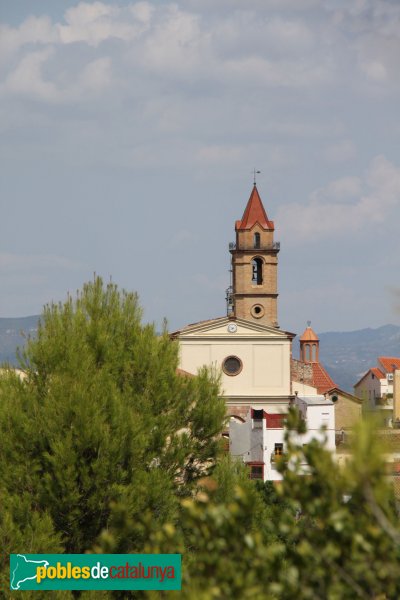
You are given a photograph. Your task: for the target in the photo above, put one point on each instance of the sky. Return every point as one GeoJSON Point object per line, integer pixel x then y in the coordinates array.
{"type": "Point", "coordinates": [130, 130]}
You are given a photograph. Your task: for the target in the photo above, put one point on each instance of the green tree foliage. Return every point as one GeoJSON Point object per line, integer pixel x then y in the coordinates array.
{"type": "Point", "coordinates": [102, 426]}
{"type": "Point", "coordinates": [104, 448]}
{"type": "Point", "coordinates": [332, 532]}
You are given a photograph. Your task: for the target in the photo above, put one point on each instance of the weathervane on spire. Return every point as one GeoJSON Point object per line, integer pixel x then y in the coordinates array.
{"type": "Point", "coordinates": [255, 172]}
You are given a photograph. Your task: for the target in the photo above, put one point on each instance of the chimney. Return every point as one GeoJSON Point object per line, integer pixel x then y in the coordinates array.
{"type": "Point", "coordinates": [396, 394]}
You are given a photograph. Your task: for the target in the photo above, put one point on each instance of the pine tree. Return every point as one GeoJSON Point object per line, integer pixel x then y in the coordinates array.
{"type": "Point", "coordinates": [101, 425]}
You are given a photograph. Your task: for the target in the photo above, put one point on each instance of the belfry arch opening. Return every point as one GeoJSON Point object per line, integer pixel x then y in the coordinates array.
{"type": "Point", "coordinates": [257, 271]}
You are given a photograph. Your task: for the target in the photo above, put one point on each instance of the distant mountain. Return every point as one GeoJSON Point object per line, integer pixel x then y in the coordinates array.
{"type": "Point", "coordinates": [13, 333]}
{"type": "Point", "coordinates": [348, 355]}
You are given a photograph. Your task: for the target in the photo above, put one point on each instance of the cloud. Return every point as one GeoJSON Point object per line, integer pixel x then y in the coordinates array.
{"type": "Point", "coordinates": [34, 30]}
{"type": "Point", "coordinates": [346, 205]}
{"type": "Point", "coordinates": [27, 77]}
{"type": "Point", "coordinates": [94, 23]}
{"type": "Point", "coordinates": [373, 31]}
{"type": "Point", "coordinates": [146, 42]}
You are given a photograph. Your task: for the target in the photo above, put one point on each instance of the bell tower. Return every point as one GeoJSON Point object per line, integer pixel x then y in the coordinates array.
{"type": "Point", "coordinates": [309, 345]}
{"type": "Point", "coordinates": [253, 294]}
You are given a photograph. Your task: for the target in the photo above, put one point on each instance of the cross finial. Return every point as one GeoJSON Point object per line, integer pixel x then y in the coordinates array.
{"type": "Point", "coordinates": [308, 323]}
{"type": "Point", "coordinates": [255, 172]}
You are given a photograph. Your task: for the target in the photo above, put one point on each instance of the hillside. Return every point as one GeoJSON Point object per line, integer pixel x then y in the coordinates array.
{"type": "Point", "coordinates": [346, 355]}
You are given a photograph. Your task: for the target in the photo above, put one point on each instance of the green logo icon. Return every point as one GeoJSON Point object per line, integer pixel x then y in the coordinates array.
{"type": "Point", "coordinates": [95, 572]}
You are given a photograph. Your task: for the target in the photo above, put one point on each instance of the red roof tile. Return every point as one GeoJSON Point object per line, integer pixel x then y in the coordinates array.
{"type": "Point", "coordinates": [377, 372]}
{"type": "Point", "coordinates": [309, 336]}
{"type": "Point", "coordinates": [321, 379]}
{"type": "Point", "coordinates": [254, 213]}
{"type": "Point", "coordinates": [389, 363]}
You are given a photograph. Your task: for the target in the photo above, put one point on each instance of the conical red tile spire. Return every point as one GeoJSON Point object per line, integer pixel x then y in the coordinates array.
{"type": "Point", "coordinates": [254, 213]}
{"type": "Point", "coordinates": [309, 335]}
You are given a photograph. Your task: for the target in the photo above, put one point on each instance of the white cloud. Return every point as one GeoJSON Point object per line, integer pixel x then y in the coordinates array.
{"type": "Point", "coordinates": [157, 44]}
{"type": "Point", "coordinates": [375, 70]}
{"type": "Point", "coordinates": [346, 205]}
{"type": "Point", "coordinates": [34, 30]}
{"type": "Point", "coordinates": [96, 75]}
{"type": "Point", "coordinates": [342, 190]}
{"type": "Point", "coordinates": [373, 30]}
{"type": "Point", "coordinates": [95, 23]}
{"type": "Point", "coordinates": [27, 78]}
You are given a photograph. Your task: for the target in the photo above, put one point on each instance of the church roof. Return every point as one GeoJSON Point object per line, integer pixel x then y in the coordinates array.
{"type": "Point", "coordinates": [312, 374]}
{"type": "Point", "coordinates": [321, 379]}
{"type": "Point", "coordinates": [309, 336]}
{"type": "Point", "coordinates": [254, 213]}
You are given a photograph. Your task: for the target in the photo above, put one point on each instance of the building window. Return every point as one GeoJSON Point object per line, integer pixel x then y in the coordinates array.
{"type": "Point", "coordinates": [278, 450]}
{"type": "Point", "coordinates": [314, 353]}
{"type": "Point", "coordinates": [256, 240]}
{"type": "Point", "coordinates": [257, 311]}
{"type": "Point", "coordinates": [256, 471]}
{"type": "Point", "coordinates": [232, 365]}
{"type": "Point", "coordinates": [257, 277]}
{"type": "Point", "coordinates": [258, 416]}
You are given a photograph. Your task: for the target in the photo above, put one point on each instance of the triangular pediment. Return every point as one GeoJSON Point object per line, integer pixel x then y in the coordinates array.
{"type": "Point", "coordinates": [225, 327]}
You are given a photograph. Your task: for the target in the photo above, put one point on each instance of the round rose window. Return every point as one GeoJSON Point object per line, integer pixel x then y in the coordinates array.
{"type": "Point", "coordinates": [232, 365]}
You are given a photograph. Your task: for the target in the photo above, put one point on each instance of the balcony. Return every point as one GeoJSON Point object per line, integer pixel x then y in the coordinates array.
{"type": "Point", "coordinates": [273, 246]}
{"type": "Point", "coordinates": [385, 401]}
{"type": "Point", "coordinates": [276, 458]}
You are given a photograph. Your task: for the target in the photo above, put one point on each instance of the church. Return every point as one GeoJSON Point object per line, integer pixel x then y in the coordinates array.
{"type": "Point", "coordinates": [253, 353]}
{"type": "Point", "coordinates": [260, 379]}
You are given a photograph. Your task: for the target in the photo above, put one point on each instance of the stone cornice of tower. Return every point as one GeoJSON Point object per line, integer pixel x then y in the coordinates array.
{"type": "Point", "coordinates": [254, 213]}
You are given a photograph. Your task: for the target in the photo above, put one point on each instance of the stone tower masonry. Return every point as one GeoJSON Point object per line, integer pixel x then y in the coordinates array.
{"type": "Point", "coordinates": [254, 294]}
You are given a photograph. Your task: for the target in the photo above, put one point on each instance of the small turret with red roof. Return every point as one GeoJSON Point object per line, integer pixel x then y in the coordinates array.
{"type": "Point", "coordinates": [308, 370]}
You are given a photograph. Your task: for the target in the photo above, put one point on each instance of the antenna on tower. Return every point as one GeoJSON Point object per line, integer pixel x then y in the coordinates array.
{"type": "Point", "coordinates": [255, 173]}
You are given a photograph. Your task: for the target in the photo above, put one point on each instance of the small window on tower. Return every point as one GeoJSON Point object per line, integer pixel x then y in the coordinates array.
{"type": "Point", "coordinates": [257, 271]}
{"type": "Point", "coordinates": [257, 311]}
{"type": "Point", "coordinates": [256, 240]}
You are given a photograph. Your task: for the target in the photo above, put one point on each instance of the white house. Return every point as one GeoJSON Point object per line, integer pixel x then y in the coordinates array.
{"type": "Point", "coordinates": [260, 440]}
{"type": "Point", "coordinates": [375, 387]}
